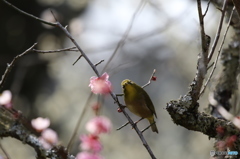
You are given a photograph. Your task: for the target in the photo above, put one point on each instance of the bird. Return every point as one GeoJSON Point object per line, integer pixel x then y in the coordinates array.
{"type": "Point", "coordinates": [138, 102]}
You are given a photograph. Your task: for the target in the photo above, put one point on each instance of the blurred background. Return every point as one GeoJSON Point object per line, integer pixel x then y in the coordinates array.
{"type": "Point", "coordinates": [164, 35]}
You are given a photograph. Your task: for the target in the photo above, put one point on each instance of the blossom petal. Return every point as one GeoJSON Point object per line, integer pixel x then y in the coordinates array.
{"type": "Point", "coordinates": [98, 125]}
{"type": "Point", "coordinates": [100, 85]}
{"type": "Point", "coordinates": [90, 143]}
{"type": "Point", "coordinates": [40, 123]}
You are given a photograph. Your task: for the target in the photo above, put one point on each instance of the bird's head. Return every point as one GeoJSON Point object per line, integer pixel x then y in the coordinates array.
{"type": "Point", "coordinates": [126, 82]}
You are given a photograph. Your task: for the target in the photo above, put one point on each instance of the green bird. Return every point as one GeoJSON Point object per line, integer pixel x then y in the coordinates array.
{"type": "Point", "coordinates": [138, 102]}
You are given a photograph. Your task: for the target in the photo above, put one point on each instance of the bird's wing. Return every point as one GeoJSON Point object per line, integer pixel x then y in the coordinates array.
{"type": "Point", "coordinates": [150, 104]}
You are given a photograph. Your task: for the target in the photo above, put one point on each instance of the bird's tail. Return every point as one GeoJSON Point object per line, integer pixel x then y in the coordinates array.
{"type": "Point", "coordinates": [153, 124]}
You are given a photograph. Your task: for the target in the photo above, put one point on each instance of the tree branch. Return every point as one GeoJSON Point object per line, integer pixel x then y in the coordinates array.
{"type": "Point", "coordinates": [237, 5]}
{"type": "Point", "coordinates": [11, 126]}
{"type": "Point", "coordinates": [10, 66]}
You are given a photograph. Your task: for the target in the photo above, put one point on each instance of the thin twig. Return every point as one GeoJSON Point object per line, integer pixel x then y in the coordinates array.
{"type": "Point", "coordinates": [59, 25]}
{"type": "Point", "coordinates": [204, 41]}
{"type": "Point", "coordinates": [125, 35]}
{"type": "Point", "coordinates": [123, 126]}
{"type": "Point", "coordinates": [148, 127]}
{"type": "Point", "coordinates": [237, 5]}
{"type": "Point", "coordinates": [202, 59]}
{"type": "Point", "coordinates": [29, 15]}
{"type": "Point", "coordinates": [210, 66]}
{"type": "Point", "coordinates": [211, 52]}
{"type": "Point", "coordinates": [79, 57]}
{"type": "Point", "coordinates": [79, 48]}
{"type": "Point", "coordinates": [219, 52]}
{"type": "Point", "coordinates": [135, 123]}
{"type": "Point", "coordinates": [55, 51]}
{"type": "Point", "coordinates": [150, 79]}
{"type": "Point", "coordinates": [10, 66]}
{"type": "Point", "coordinates": [205, 13]}
{"type": "Point", "coordinates": [98, 63]}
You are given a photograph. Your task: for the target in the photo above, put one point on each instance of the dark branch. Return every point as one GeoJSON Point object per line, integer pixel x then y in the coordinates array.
{"type": "Point", "coordinates": [10, 66]}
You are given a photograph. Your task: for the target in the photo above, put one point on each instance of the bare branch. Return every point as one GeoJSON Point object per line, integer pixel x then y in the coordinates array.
{"type": "Point", "coordinates": [205, 13]}
{"type": "Point", "coordinates": [59, 25]}
{"type": "Point", "coordinates": [148, 127]}
{"type": "Point", "coordinates": [150, 79]}
{"type": "Point", "coordinates": [13, 127]}
{"type": "Point", "coordinates": [55, 51]}
{"type": "Point", "coordinates": [203, 39]}
{"type": "Point", "coordinates": [237, 5]}
{"type": "Point", "coordinates": [79, 48]}
{"type": "Point", "coordinates": [10, 66]}
{"type": "Point", "coordinates": [98, 63]}
{"type": "Point", "coordinates": [219, 52]}
{"type": "Point", "coordinates": [197, 121]}
{"type": "Point", "coordinates": [79, 57]}
{"type": "Point", "coordinates": [211, 52]}
{"type": "Point", "coordinates": [29, 15]}
{"type": "Point", "coordinates": [123, 126]}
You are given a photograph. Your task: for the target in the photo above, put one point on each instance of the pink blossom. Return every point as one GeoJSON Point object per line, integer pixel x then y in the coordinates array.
{"type": "Point", "coordinates": [87, 155]}
{"type": "Point", "coordinates": [5, 99]}
{"type": "Point", "coordinates": [90, 142]}
{"type": "Point", "coordinates": [100, 85]}
{"type": "Point", "coordinates": [50, 136]}
{"type": "Point", "coordinates": [40, 123]}
{"type": "Point", "coordinates": [98, 125]}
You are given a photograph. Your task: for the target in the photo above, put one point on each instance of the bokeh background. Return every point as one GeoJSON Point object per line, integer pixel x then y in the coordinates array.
{"type": "Point", "coordinates": [164, 36]}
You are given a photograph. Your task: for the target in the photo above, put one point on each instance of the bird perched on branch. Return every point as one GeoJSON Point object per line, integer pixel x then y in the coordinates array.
{"type": "Point", "coordinates": [138, 102]}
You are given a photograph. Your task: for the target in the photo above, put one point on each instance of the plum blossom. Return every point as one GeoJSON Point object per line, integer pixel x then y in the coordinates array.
{"type": "Point", "coordinates": [98, 125]}
{"type": "Point", "coordinates": [40, 123]}
{"type": "Point", "coordinates": [87, 155]}
{"type": "Point", "coordinates": [90, 143]}
{"type": "Point", "coordinates": [6, 98]}
{"type": "Point", "coordinates": [100, 85]}
{"type": "Point", "coordinates": [50, 136]}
